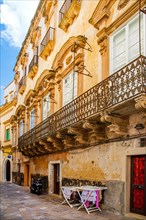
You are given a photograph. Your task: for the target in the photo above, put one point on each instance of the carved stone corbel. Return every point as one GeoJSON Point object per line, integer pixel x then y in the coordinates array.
{"type": "Point", "coordinates": [117, 127]}
{"type": "Point", "coordinates": [96, 131]}
{"type": "Point", "coordinates": [58, 71]}
{"type": "Point", "coordinates": [57, 144]}
{"type": "Point", "coordinates": [80, 134]}
{"type": "Point", "coordinates": [122, 4]}
{"type": "Point", "coordinates": [67, 140]}
{"type": "Point", "coordinates": [103, 43]}
{"type": "Point", "coordinates": [140, 102]}
{"type": "Point", "coordinates": [47, 146]}
{"type": "Point", "coordinates": [35, 37]}
{"type": "Point", "coordinates": [70, 14]}
{"type": "Point", "coordinates": [79, 43]}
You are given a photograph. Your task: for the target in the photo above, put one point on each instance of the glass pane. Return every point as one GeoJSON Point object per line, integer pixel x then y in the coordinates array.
{"type": "Point", "coordinates": [69, 88]}
{"type": "Point", "coordinates": [21, 128]}
{"type": "Point", "coordinates": [119, 50]}
{"type": "Point", "coordinates": [32, 119]}
{"type": "Point", "coordinates": [133, 39]}
{"type": "Point", "coordinates": [46, 106]}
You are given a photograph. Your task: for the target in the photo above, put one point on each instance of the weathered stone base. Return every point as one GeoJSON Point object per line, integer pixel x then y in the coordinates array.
{"type": "Point", "coordinates": [79, 182]}
{"type": "Point", "coordinates": [112, 198]}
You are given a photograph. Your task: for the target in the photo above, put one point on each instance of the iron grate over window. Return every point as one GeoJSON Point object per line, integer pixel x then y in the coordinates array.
{"type": "Point", "coordinates": [143, 142]}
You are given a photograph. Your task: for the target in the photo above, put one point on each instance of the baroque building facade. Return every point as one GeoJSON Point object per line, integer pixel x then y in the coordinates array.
{"type": "Point", "coordinates": [6, 110]}
{"type": "Point", "coordinates": [80, 116]}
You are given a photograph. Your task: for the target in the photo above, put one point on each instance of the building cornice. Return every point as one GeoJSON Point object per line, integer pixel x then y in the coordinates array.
{"type": "Point", "coordinates": [30, 32]}
{"type": "Point", "coordinates": [6, 106]}
{"type": "Point", "coordinates": [6, 122]}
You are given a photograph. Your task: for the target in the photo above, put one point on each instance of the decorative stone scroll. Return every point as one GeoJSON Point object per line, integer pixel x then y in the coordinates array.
{"type": "Point", "coordinates": [67, 139]}
{"type": "Point", "coordinates": [30, 97]}
{"type": "Point", "coordinates": [118, 125]}
{"type": "Point", "coordinates": [103, 43]}
{"type": "Point", "coordinates": [24, 59]}
{"type": "Point", "coordinates": [101, 13]}
{"type": "Point", "coordinates": [17, 76]}
{"type": "Point", "coordinates": [96, 132]}
{"type": "Point", "coordinates": [80, 134]}
{"type": "Point", "coordinates": [122, 4]}
{"type": "Point", "coordinates": [47, 9]}
{"type": "Point", "coordinates": [20, 112]}
{"type": "Point", "coordinates": [140, 102]}
{"type": "Point", "coordinates": [57, 144]}
{"type": "Point", "coordinates": [36, 37]}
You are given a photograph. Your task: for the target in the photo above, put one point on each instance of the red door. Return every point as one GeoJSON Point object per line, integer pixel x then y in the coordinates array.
{"type": "Point", "coordinates": [138, 184]}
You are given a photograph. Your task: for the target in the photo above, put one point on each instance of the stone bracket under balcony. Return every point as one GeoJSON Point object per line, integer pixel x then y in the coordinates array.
{"type": "Point", "coordinates": [117, 127]}
{"type": "Point", "coordinates": [22, 85]}
{"type": "Point", "coordinates": [33, 67]}
{"type": "Point", "coordinates": [47, 44]}
{"type": "Point", "coordinates": [47, 49]}
{"type": "Point", "coordinates": [33, 72]}
{"type": "Point", "coordinates": [96, 131]}
{"type": "Point", "coordinates": [69, 15]}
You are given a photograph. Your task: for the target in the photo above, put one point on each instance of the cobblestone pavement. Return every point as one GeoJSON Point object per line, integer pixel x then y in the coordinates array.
{"type": "Point", "coordinates": [17, 203]}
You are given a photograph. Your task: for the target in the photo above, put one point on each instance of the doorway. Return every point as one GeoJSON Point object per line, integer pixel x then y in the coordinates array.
{"type": "Point", "coordinates": [138, 185]}
{"type": "Point", "coordinates": [54, 177]}
{"type": "Point", "coordinates": [26, 175]}
{"type": "Point", "coordinates": [8, 170]}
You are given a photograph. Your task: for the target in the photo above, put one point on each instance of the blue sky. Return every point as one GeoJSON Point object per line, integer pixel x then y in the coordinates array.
{"type": "Point", "coordinates": [14, 23]}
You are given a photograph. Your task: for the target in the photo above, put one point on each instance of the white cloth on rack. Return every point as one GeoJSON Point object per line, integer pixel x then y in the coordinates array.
{"type": "Point", "coordinates": [91, 198]}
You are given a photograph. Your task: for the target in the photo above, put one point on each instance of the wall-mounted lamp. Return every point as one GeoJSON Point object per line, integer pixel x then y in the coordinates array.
{"type": "Point", "coordinates": [51, 101]}
{"type": "Point", "coordinates": [139, 126]}
{"type": "Point", "coordinates": [143, 10]}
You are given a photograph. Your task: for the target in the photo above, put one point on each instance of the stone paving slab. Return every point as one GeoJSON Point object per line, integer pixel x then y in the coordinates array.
{"type": "Point", "coordinates": [17, 203]}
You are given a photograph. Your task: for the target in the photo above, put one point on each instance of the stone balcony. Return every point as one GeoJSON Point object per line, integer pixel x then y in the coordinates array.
{"type": "Point", "coordinates": [85, 121]}
{"type": "Point", "coordinates": [33, 67]}
{"type": "Point", "coordinates": [47, 43]}
{"type": "Point", "coordinates": [22, 85]}
{"type": "Point", "coordinates": [68, 12]}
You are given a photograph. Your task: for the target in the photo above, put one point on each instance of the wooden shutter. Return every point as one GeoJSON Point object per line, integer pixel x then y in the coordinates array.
{"type": "Point", "coordinates": [21, 128]}
{"type": "Point", "coordinates": [133, 38]}
{"type": "Point", "coordinates": [119, 50]}
{"type": "Point", "coordinates": [69, 88]}
{"type": "Point", "coordinates": [46, 106]}
{"type": "Point", "coordinates": [7, 134]}
{"type": "Point", "coordinates": [32, 119]}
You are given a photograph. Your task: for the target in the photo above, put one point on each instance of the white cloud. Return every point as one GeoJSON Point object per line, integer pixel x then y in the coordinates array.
{"type": "Point", "coordinates": [16, 15]}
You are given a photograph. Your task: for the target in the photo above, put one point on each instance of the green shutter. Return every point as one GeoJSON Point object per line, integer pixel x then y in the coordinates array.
{"type": "Point", "coordinates": [8, 134]}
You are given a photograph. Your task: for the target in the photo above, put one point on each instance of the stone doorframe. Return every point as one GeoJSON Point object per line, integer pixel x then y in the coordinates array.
{"type": "Point", "coordinates": [51, 177]}
{"type": "Point", "coordinates": [137, 151]}
{"type": "Point", "coordinates": [4, 169]}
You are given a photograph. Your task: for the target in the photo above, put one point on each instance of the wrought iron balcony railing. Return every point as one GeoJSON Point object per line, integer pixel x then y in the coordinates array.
{"type": "Point", "coordinates": [125, 84]}
{"type": "Point", "coordinates": [65, 8]}
{"type": "Point", "coordinates": [34, 62]}
{"type": "Point", "coordinates": [50, 35]}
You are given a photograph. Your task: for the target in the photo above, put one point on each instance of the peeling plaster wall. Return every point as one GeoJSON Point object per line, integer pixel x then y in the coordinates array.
{"type": "Point", "coordinates": [103, 163]}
